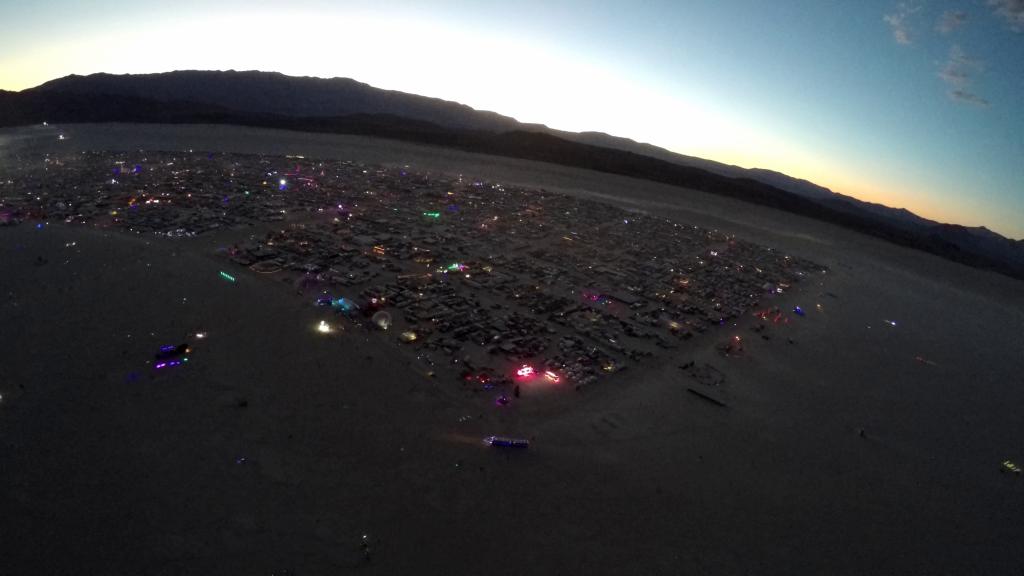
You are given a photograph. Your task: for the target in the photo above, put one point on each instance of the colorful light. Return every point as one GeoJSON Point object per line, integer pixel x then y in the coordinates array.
{"type": "Point", "coordinates": [552, 377]}
{"type": "Point", "coordinates": [227, 276]}
{"type": "Point", "coordinates": [171, 363]}
{"type": "Point", "coordinates": [432, 214]}
{"type": "Point", "coordinates": [344, 304]}
{"type": "Point", "coordinates": [525, 371]}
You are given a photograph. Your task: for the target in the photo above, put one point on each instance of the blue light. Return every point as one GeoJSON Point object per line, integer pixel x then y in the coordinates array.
{"type": "Point", "coordinates": [344, 304]}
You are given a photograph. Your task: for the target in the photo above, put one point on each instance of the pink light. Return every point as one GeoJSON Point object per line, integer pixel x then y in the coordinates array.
{"type": "Point", "coordinates": [552, 376]}
{"type": "Point", "coordinates": [525, 372]}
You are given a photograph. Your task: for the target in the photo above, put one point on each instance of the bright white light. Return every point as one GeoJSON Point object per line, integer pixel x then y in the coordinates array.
{"type": "Point", "coordinates": [283, 182]}
{"type": "Point", "coordinates": [323, 327]}
{"type": "Point", "coordinates": [200, 335]}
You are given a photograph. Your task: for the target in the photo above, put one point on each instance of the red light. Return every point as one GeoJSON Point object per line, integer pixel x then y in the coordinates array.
{"type": "Point", "coordinates": [552, 377]}
{"type": "Point", "coordinates": [526, 371]}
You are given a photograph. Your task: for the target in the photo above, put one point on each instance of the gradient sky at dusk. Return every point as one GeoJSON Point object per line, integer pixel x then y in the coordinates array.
{"type": "Point", "coordinates": [912, 104]}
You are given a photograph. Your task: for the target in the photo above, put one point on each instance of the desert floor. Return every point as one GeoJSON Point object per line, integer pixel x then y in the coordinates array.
{"type": "Point", "coordinates": [857, 448]}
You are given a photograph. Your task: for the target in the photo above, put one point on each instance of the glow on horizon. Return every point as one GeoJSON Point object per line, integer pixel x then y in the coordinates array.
{"type": "Point", "coordinates": [517, 76]}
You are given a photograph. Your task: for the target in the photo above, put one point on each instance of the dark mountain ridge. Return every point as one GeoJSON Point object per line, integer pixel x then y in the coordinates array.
{"type": "Point", "coordinates": [345, 106]}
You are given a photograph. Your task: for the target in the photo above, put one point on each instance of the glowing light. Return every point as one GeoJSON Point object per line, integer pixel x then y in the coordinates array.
{"type": "Point", "coordinates": [324, 328]}
{"type": "Point", "coordinates": [525, 371]}
{"type": "Point", "coordinates": [171, 363]}
{"type": "Point", "coordinates": [409, 336]}
{"type": "Point", "coordinates": [506, 442]}
{"type": "Point", "coordinates": [200, 335]}
{"type": "Point", "coordinates": [382, 319]}
{"type": "Point", "coordinates": [432, 214]}
{"type": "Point", "coordinates": [552, 377]}
{"type": "Point", "coordinates": [227, 276]}
{"type": "Point", "coordinates": [344, 304]}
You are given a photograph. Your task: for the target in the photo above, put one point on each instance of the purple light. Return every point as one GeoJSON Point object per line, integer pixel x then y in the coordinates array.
{"type": "Point", "coordinates": [170, 363]}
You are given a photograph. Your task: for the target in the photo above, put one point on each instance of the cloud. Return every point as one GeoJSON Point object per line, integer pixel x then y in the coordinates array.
{"type": "Point", "coordinates": [897, 23]}
{"type": "Point", "coordinates": [969, 97]}
{"type": "Point", "coordinates": [958, 73]}
{"type": "Point", "coordinates": [950, 21]}
{"type": "Point", "coordinates": [1010, 10]}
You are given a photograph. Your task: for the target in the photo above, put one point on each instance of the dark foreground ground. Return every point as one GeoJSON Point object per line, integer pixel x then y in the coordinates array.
{"type": "Point", "coordinates": [276, 449]}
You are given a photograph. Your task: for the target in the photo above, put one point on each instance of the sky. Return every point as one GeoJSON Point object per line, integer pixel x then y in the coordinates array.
{"type": "Point", "coordinates": [915, 104]}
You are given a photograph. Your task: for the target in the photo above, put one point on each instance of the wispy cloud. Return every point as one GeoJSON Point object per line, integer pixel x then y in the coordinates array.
{"type": "Point", "coordinates": [897, 22]}
{"type": "Point", "coordinates": [968, 97]}
{"type": "Point", "coordinates": [950, 21]}
{"type": "Point", "coordinates": [958, 73]}
{"type": "Point", "coordinates": [1012, 11]}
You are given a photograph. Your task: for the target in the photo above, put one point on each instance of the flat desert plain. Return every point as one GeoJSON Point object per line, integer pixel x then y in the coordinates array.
{"type": "Point", "coordinates": [847, 445]}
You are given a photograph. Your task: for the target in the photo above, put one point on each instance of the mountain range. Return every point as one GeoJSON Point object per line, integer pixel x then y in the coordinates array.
{"type": "Point", "coordinates": [343, 105]}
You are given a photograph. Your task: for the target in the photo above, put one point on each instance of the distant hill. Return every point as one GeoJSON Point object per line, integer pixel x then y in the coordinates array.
{"type": "Point", "coordinates": [277, 94]}
{"type": "Point", "coordinates": [343, 105]}
{"type": "Point", "coordinates": [273, 93]}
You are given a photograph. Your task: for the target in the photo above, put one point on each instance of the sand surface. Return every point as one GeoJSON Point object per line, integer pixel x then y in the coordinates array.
{"type": "Point", "coordinates": [276, 449]}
